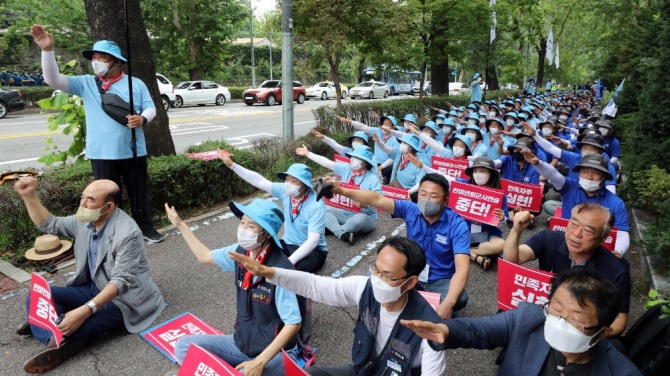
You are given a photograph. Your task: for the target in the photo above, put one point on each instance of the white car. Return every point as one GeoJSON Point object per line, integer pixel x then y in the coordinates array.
{"type": "Point", "coordinates": [167, 91]}
{"type": "Point", "coordinates": [369, 89]}
{"type": "Point", "coordinates": [325, 90]}
{"type": "Point", "coordinates": [457, 88]}
{"type": "Point", "coordinates": [200, 93]}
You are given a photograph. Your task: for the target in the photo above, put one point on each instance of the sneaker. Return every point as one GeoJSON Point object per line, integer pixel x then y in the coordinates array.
{"type": "Point", "coordinates": [24, 329]}
{"type": "Point", "coordinates": [349, 237]}
{"type": "Point", "coordinates": [153, 236]}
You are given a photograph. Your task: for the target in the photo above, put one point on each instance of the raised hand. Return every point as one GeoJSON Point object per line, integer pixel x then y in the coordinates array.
{"type": "Point", "coordinates": [302, 151]}
{"type": "Point", "coordinates": [43, 39]}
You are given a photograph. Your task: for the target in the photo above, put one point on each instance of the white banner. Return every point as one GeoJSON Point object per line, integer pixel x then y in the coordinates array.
{"type": "Point", "coordinates": [550, 47]}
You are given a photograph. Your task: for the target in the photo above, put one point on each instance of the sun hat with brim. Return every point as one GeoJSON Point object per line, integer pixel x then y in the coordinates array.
{"type": "Point", "coordinates": [264, 213]}
{"type": "Point", "coordinates": [104, 46]}
{"type": "Point", "coordinates": [521, 145]}
{"type": "Point", "coordinates": [512, 115]}
{"type": "Point", "coordinates": [474, 77]}
{"type": "Point", "coordinates": [496, 120]}
{"type": "Point", "coordinates": [364, 153]}
{"type": "Point", "coordinates": [412, 140]}
{"type": "Point", "coordinates": [359, 134]}
{"type": "Point", "coordinates": [409, 117]}
{"type": "Point", "coordinates": [521, 116]}
{"type": "Point", "coordinates": [391, 118]}
{"type": "Point", "coordinates": [548, 122]}
{"type": "Point", "coordinates": [485, 162]}
{"type": "Point", "coordinates": [449, 123]}
{"type": "Point", "coordinates": [593, 139]}
{"type": "Point", "coordinates": [453, 113]}
{"type": "Point", "coordinates": [430, 125]}
{"type": "Point", "coordinates": [463, 139]}
{"type": "Point", "coordinates": [47, 247]}
{"type": "Point", "coordinates": [597, 162]}
{"type": "Point", "coordinates": [460, 109]}
{"type": "Point", "coordinates": [472, 106]}
{"type": "Point", "coordinates": [439, 116]}
{"type": "Point", "coordinates": [603, 123]}
{"type": "Point", "coordinates": [474, 116]}
{"type": "Point", "coordinates": [299, 171]}
{"type": "Point", "coordinates": [473, 128]}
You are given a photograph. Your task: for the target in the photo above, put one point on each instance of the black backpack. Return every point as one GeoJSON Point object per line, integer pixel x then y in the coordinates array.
{"type": "Point", "coordinates": [647, 343]}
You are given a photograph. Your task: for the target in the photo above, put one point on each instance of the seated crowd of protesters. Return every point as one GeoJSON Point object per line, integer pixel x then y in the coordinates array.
{"type": "Point", "coordinates": [556, 141]}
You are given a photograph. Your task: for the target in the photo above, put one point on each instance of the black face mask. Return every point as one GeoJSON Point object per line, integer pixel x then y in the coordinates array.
{"type": "Point", "coordinates": [519, 157]}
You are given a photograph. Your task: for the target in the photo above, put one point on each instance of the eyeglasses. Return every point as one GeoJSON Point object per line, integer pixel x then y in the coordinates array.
{"type": "Point", "coordinates": [385, 276]}
{"type": "Point", "coordinates": [583, 328]}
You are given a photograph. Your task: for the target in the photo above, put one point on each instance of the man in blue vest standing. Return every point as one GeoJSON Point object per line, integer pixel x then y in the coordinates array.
{"type": "Point", "coordinates": [476, 89]}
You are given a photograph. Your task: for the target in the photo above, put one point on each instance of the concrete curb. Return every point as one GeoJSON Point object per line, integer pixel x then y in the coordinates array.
{"type": "Point", "coordinates": [657, 281]}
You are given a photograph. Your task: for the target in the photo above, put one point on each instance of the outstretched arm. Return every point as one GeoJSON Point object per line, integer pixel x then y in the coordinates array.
{"type": "Point", "coordinates": [199, 250]}
{"type": "Point", "coordinates": [251, 177]}
{"type": "Point", "coordinates": [363, 196]}
{"type": "Point", "coordinates": [52, 75]}
{"type": "Point", "coordinates": [323, 161]}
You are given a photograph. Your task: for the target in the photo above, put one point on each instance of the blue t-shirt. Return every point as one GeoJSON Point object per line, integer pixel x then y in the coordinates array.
{"type": "Point", "coordinates": [612, 146]}
{"type": "Point", "coordinates": [573, 194]}
{"type": "Point", "coordinates": [310, 218]}
{"type": "Point", "coordinates": [368, 181]}
{"type": "Point", "coordinates": [286, 301]}
{"type": "Point", "coordinates": [106, 138]}
{"type": "Point", "coordinates": [475, 92]}
{"type": "Point", "coordinates": [440, 241]}
{"type": "Point", "coordinates": [510, 170]}
{"type": "Point", "coordinates": [409, 175]}
{"type": "Point", "coordinates": [379, 155]}
{"type": "Point", "coordinates": [479, 150]}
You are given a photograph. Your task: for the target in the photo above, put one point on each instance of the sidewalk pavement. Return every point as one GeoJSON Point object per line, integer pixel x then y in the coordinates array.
{"type": "Point", "coordinates": [208, 293]}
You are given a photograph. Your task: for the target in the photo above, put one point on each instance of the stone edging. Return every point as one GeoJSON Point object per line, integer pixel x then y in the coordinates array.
{"type": "Point", "coordinates": [657, 281]}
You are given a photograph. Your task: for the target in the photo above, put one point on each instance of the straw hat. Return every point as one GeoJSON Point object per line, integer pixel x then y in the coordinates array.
{"type": "Point", "coordinates": [47, 247]}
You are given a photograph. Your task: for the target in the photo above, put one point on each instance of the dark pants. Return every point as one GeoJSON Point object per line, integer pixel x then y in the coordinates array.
{"type": "Point", "coordinates": [347, 370]}
{"type": "Point", "coordinates": [108, 318]}
{"type": "Point", "coordinates": [386, 174]}
{"type": "Point", "coordinates": [310, 263]}
{"type": "Point", "coordinates": [133, 174]}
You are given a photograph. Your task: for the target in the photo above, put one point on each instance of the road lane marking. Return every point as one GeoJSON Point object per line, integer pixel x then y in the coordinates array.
{"type": "Point", "coordinates": [19, 161]}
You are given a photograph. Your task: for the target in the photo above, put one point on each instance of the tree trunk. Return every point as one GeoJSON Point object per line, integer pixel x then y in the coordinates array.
{"type": "Point", "coordinates": [361, 69]}
{"type": "Point", "coordinates": [439, 67]}
{"type": "Point", "coordinates": [107, 21]}
{"type": "Point", "coordinates": [541, 53]}
{"type": "Point", "coordinates": [334, 72]}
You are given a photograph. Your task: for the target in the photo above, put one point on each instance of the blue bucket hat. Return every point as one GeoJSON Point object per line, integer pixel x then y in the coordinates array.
{"type": "Point", "coordinates": [474, 116]}
{"type": "Point", "coordinates": [472, 128]}
{"type": "Point", "coordinates": [439, 116]}
{"type": "Point", "coordinates": [104, 46]}
{"type": "Point", "coordinates": [364, 153]}
{"type": "Point", "coordinates": [409, 117]}
{"type": "Point", "coordinates": [472, 106]}
{"type": "Point", "coordinates": [460, 109]}
{"type": "Point", "coordinates": [463, 138]}
{"type": "Point", "coordinates": [265, 213]}
{"type": "Point", "coordinates": [450, 123]}
{"type": "Point", "coordinates": [521, 116]}
{"type": "Point", "coordinates": [453, 113]}
{"type": "Point", "coordinates": [411, 140]}
{"type": "Point", "coordinates": [359, 134]}
{"type": "Point", "coordinates": [391, 118]}
{"type": "Point", "coordinates": [527, 109]}
{"type": "Point", "coordinates": [497, 120]}
{"type": "Point", "coordinates": [430, 125]}
{"type": "Point", "coordinates": [511, 114]}
{"type": "Point", "coordinates": [474, 77]}
{"type": "Point", "coordinates": [299, 171]}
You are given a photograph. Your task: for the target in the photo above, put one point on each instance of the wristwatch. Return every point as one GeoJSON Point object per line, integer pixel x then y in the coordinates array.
{"type": "Point", "coordinates": [144, 121]}
{"type": "Point", "coordinates": [91, 304]}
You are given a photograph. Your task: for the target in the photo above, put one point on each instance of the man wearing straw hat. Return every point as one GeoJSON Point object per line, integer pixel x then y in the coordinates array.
{"type": "Point", "coordinates": [111, 289]}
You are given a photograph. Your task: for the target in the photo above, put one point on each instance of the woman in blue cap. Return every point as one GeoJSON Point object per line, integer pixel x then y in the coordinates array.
{"type": "Point", "coordinates": [345, 224]}
{"type": "Point", "coordinates": [406, 175]}
{"type": "Point", "coordinates": [268, 317]}
{"type": "Point", "coordinates": [304, 239]}
{"type": "Point", "coordinates": [472, 132]}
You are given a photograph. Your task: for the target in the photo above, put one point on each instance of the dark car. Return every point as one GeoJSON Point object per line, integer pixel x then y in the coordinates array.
{"type": "Point", "coordinates": [10, 100]}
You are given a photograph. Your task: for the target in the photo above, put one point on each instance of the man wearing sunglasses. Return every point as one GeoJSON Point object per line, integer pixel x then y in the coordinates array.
{"type": "Point", "coordinates": [565, 337]}
{"type": "Point", "coordinates": [381, 345]}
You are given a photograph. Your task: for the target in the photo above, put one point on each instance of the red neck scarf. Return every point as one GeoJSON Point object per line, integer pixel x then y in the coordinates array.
{"type": "Point", "coordinates": [386, 138]}
{"type": "Point", "coordinates": [246, 283]}
{"type": "Point", "coordinates": [355, 173]}
{"type": "Point", "coordinates": [403, 161]}
{"type": "Point", "coordinates": [106, 83]}
{"type": "Point", "coordinates": [297, 203]}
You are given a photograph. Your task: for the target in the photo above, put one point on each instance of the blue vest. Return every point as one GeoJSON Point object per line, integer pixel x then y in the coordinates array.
{"type": "Point", "coordinates": [258, 322]}
{"type": "Point", "coordinates": [403, 345]}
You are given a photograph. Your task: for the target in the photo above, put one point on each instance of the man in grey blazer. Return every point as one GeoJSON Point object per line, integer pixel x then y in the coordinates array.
{"type": "Point", "coordinates": [111, 290]}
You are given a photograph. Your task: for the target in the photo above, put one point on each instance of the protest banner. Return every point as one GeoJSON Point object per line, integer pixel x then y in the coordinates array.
{"type": "Point", "coordinates": [42, 310]}
{"type": "Point", "coordinates": [394, 193]}
{"type": "Point", "coordinates": [290, 368]}
{"type": "Point", "coordinates": [450, 166]}
{"type": "Point", "coordinates": [526, 196]}
{"type": "Point", "coordinates": [518, 283]}
{"type": "Point", "coordinates": [200, 362]}
{"type": "Point", "coordinates": [164, 336]}
{"type": "Point", "coordinates": [432, 298]}
{"type": "Point", "coordinates": [560, 224]}
{"type": "Point", "coordinates": [343, 202]}
{"type": "Point", "coordinates": [208, 155]}
{"type": "Point", "coordinates": [475, 203]}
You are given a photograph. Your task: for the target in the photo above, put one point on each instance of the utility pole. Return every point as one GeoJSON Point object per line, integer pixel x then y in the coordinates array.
{"type": "Point", "coordinates": [287, 67]}
{"type": "Point", "coordinates": [251, 32]}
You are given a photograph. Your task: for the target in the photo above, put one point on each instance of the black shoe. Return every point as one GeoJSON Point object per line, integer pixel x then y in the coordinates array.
{"type": "Point", "coordinates": [153, 236]}
{"type": "Point", "coordinates": [328, 232]}
{"type": "Point", "coordinates": [24, 329]}
{"type": "Point", "coordinates": [53, 357]}
{"type": "Point", "coordinates": [349, 237]}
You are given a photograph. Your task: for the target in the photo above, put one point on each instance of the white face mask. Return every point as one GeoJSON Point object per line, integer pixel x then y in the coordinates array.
{"type": "Point", "coordinates": [589, 185]}
{"type": "Point", "coordinates": [494, 131]}
{"type": "Point", "coordinates": [604, 131]}
{"type": "Point", "coordinates": [563, 117]}
{"type": "Point", "coordinates": [356, 164]}
{"type": "Point", "coordinates": [355, 144]}
{"type": "Point", "coordinates": [439, 121]}
{"type": "Point", "coordinates": [408, 124]}
{"type": "Point", "coordinates": [247, 239]}
{"type": "Point", "coordinates": [472, 121]}
{"type": "Point", "coordinates": [482, 119]}
{"type": "Point", "coordinates": [458, 151]}
{"type": "Point", "coordinates": [446, 130]}
{"type": "Point", "coordinates": [89, 215]}
{"type": "Point", "coordinates": [460, 114]}
{"type": "Point", "coordinates": [564, 337]}
{"type": "Point", "coordinates": [384, 293]}
{"type": "Point", "coordinates": [510, 122]}
{"type": "Point", "coordinates": [480, 178]}
{"type": "Point", "coordinates": [428, 133]}
{"type": "Point", "coordinates": [471, 135]}
{"type": "Point", "coordinates": [100, 68]}
{"type": "Point", "coordinates": [404, 148]}
{"type": "Point", "coordinates": [547, 131]}
{"type": "Point", "coordinates": [291, 190]}
{"type": "Point", "coordinates": [492, 114]}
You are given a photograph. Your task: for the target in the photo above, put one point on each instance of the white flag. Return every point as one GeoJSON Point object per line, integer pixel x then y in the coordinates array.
{"type": "Point", "coordinates": [550, 46]}
{"type": "Point", "coordinates": [492, 33]}
{"type": "Point", "coordinates": [557, 57]}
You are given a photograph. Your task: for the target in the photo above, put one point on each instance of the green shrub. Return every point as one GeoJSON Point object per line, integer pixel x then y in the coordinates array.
{"type": "Point", "coordinates": [652, 186]}
{"type": "Point", "coordinates": [32, 94]}
{"type": "Point", "coordinates": [236, 91]}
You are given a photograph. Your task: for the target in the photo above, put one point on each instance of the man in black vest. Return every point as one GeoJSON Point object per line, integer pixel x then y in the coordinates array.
{"type": "Point", "coordinates": [381, 344]}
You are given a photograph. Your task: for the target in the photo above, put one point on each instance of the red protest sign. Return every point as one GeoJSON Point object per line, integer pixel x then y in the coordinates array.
{"type": "Point", "coordinates": [518, 283]}
{"type": "Point", "coordinates": [208, 155]}
{"type": "Point", "coordinates": [290, 368]}
{"type": "Point", "coordinates": [560, 224]}
{"type": "Point", "coordinates": [42, 311]}
{"type": "Point", "coordinates": [394, 193]}
{"type": "Point", "coordinates": [200, 362]}
{"type": "Point", "coordinates": [559, 211]}
{"type": "Point", "coordinates": [450, 166]}
{"type": "Point", "coordinates": [343, 202]}
{"type": "Point", "coordinates": [475, 203]}
{"type": "Point", "coordinates": [432, 298]}
{"type": "Point", "coordinates": [526, 196]}
{"type": "Point", "coordinates": [164, 336]}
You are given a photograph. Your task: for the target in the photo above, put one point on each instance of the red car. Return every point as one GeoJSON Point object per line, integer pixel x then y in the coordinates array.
{"type": "Point", "coordinates": [270, 93]}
